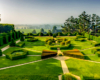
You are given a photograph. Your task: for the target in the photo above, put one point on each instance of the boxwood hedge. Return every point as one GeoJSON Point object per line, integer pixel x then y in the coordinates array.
{"type": "Point", "coordinates": [16, 56]}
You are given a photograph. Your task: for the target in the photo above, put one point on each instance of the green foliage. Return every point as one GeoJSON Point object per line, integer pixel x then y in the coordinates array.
{"type": "Point", "coordinates": [6, 28]}
{"type": "Point", "coordinates": [68, 76]}
{"type": "Point", "coordinates": [1, 40]}
{"type": "Point", "coordinates": [22, 37]}
{"type": "Point", "coordinates": [32, 39]}
{"type": "Point", "coordinates": [5, 38]}
{"type": "Point", "coordinates": [54, 35]}
{"type": "Point", "coordinates": [17, 54]}
{"type": "Point", "coordinates": [67, 42]}
{"type": "Point", "coordinates": [20, 44]}
{"type": "Point", "coordinates": [49, 42]}
{"type": "Point", "coordinates": [60, 54]}
{"type": "Point", "coordinates": [95, 44]}
{"type": "Point", "coordinates": [0, 52]}
{"type": "Point", "coordinates": [12, 43]}
{"type": "Point", "coordinates": [62, 43]}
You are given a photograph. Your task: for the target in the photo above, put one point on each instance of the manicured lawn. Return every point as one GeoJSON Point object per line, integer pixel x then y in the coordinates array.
{"type": "Point", "coordinates": [91, 56]}
{"type": "Point", "coordinates": [50, 67]}
{"type": "Point", "coordinates": [7, 62]}
{"type": "Point", "coordinates": [85, 68]}
{"type": "Point", "coordinates": [37, 45]}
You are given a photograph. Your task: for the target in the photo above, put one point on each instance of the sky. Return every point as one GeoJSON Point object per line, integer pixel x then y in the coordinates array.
{"type": "Point", "coordinates": [45, 11]}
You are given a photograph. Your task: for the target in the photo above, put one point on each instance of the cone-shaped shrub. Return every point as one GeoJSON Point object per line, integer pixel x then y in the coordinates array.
{"type": "Point", "coordinates": [12, 43]}
{"type": "Point", "coordinates": [22, 37]}
{"type": "Point", "coordinates": [0, 52]}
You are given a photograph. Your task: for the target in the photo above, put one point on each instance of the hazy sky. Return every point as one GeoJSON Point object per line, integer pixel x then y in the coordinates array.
{"type": "Point", "coordinates": [45, 11]}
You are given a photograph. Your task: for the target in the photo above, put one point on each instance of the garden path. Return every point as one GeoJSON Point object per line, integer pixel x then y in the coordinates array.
{"type": "Point", "coordinates": [63, 64]}
{"type": "Point", "coordinates": [5, 48]}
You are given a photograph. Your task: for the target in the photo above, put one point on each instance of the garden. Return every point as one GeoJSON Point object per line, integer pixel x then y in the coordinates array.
{"type": "Point", "coordinates": [73, 54]}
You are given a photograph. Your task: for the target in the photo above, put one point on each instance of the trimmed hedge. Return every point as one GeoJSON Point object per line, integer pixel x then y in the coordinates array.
{"type": "Point", "coordinates": [6, 28]}
{"type": "Point", "coordinates": [22, 37]}
{"type": "Point", "coordinates": [16, 56]}
{"type": "Point", "coordinates": [32, 39]}
{"type": "Point", "coordinates": [12, 43]}
{"type": "Point", "coordinates": [0, 52]}
{"type": "Point", "coordinates": [74, 53]}
{"type": "Point", "coordinates": [98, 53]}
{"type": "Point", "coordinates": [1, 40]}
{"type": "Point", "coordinates": [95, 44]}
{"type": "Point", "coordinates": [28, 36]}
{"type": "Point", "coordinates": [20, 44]}
{"type": "Point", "coordinates": [62, 43]}
{"type": "Point", "coordinates": [48, 53]}
{"type": "Point", "coordinates": [59, 46]}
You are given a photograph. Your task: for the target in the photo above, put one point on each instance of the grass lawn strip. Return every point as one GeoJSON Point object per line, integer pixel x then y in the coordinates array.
{"type": "Point", "coordinates": [50, 67]}
{"type": "Point", "coordinates": [85, 68]}
{"type": "Point", "coordinates": [6, 62]}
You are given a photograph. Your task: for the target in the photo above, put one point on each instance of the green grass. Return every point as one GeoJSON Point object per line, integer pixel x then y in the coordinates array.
{"type": "Point", "coordinates": [37, 45]}
{"type": "Point", "coordinates": [30, 30]}
{"type": "Point", "coordinates": [85, 68]}
{"type": "Point", "coordinates": [89, 53]}
{"type": "Point", "coordinates": [7, 62]}
{"type": "Point", "coordinates": [50, 67]}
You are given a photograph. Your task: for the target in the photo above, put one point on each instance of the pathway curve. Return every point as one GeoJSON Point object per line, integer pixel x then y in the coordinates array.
{"type": "Point", "coordinates": [63, 64]}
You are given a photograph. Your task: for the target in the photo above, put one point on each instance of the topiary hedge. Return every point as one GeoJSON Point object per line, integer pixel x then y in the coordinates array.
{"type": "Point", "coordinates": [95, 44]}
{"type": "Point", "coordinates": [12, 43]}
{"type": "Point", "coordinates": [1, 40]}
{"type": "Point", "coordinates": [0, 52]}
{"type": "Point", "coordinates": [32, 39]}
{"type": "Point", "coordinates": [17, 54]}
{"type": "Point", "coordinates": [74, 53]}
{"type": "Point", "coordinates": [22, 37]}
{"type": "Point", "coordinates": [20, 44]}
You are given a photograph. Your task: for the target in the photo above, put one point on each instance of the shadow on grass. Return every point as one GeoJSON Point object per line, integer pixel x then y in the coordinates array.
{"type": "Point", "coordinates": [90, 78]}
{"type": "Point", "coordinates": [72, 47]}
{"type": "Point", "coordinates": [85, 57]}
{"type": "Point", "coordinates": [73, 69]}
{"type": "Point", "coordinates": [36, 43]}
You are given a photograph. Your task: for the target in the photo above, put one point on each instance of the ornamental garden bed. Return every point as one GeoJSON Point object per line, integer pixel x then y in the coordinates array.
{"type": "Point", "coordinates": [63, 43]}
{"type": "Point", "coordinates": [32, 39]}
{"type": "Point", "coordinates": [74, 53]}
{"type": "Point", "coordinates": [96, 51]}
{"type": "Point", "coordinates": [17, 54]}
{"type": "Point", "coordinates": [48, 53]}
{"type": "Point", "coordinates": [20, 44]}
